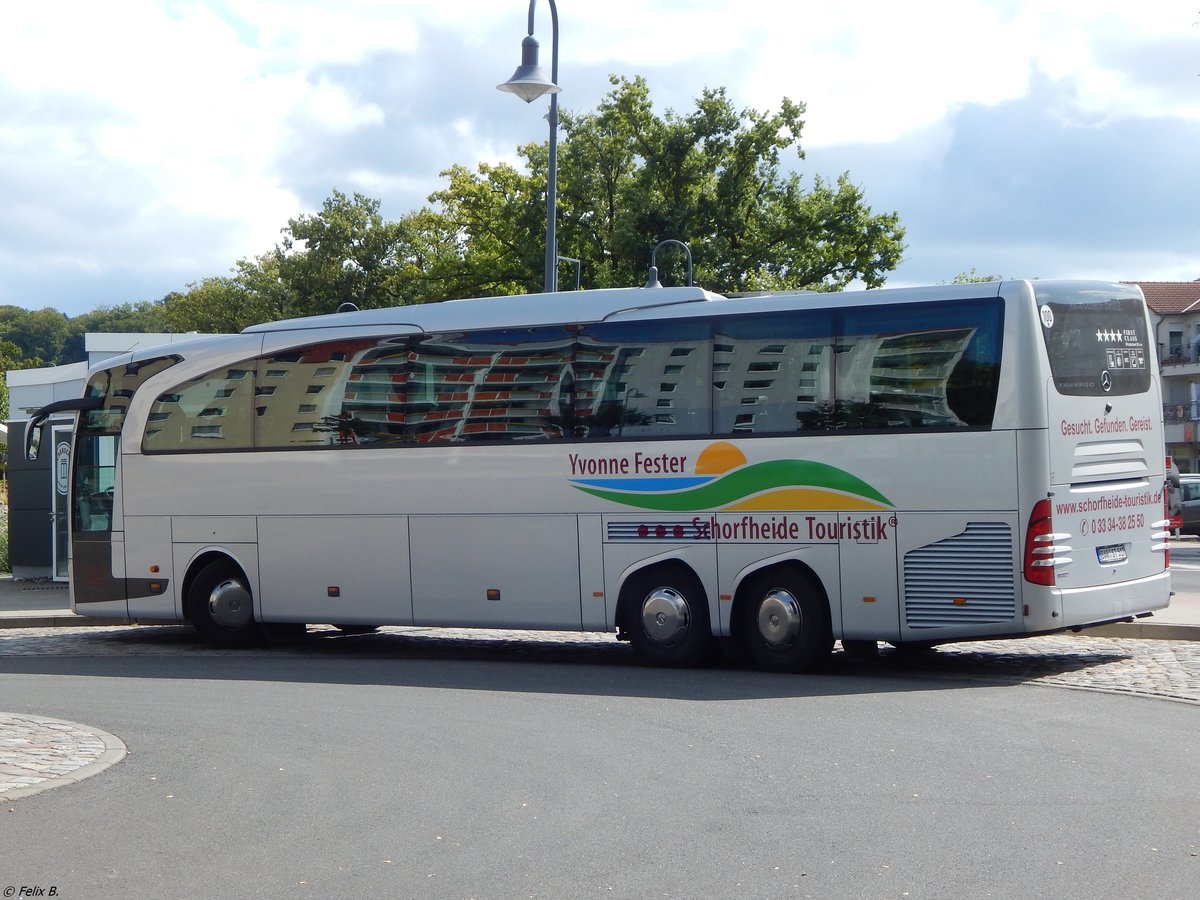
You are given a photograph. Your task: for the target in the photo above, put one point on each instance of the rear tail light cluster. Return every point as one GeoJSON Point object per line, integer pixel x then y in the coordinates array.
{"type": "Point", "coordinates": [1169, 523]}
{"type": "Point", "coordinates": [1044, 548]}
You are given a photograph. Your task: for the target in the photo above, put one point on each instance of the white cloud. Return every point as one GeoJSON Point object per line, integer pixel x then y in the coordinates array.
{"type": "Point", "coordinates": [175, 136]}
{"type": "Point", "coordinates": [874, 70]}
{"type": "Point", "coordinates": [164, 122]}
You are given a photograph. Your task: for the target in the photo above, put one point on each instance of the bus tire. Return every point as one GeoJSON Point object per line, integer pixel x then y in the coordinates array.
{"type": "Point", "coordinates": [783, 622]}
{"type": "Point", "coordinates": [664, 611]}
{"type": "Point", "coordinates": [221, 607]}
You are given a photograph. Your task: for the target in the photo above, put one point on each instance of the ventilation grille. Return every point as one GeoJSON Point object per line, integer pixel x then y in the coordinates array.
{"type": "Point", "coordinates": [1098, 460]}
{"type": "Point", "coordinates": [652, 531]}
{"type": "Point", "coordinates": [963, 580]}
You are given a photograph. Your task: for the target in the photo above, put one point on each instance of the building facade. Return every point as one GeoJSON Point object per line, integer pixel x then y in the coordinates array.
{"type": "Point", "coordinates": [1175, 310]}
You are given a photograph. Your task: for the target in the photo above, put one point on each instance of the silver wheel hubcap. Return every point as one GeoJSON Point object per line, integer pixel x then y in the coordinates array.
{"type": "Point", "coordinates": [779, 619]}
{"type": "Point", "coordinates": [230, 606]}
{"type": "Point", "coordinates": [665, 616]}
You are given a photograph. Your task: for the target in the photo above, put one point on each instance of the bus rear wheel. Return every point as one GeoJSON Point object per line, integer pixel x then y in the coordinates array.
{"type": "Point", "coordinates": [784, 623]}
{"type": "Point", "coordinates": [220, 607]}
{"type": "Point", "coordinates": [665, 615]}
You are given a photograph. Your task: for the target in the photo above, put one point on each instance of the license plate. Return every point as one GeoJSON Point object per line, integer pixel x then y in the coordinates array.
{"type": "Point", "coordinates": [1113, 553]}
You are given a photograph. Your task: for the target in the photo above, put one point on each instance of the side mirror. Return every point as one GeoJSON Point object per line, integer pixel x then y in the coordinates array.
{"type": "Point", "coordinates": [33, 431]}
{"type": "Point", "coordinates": [33, 437]}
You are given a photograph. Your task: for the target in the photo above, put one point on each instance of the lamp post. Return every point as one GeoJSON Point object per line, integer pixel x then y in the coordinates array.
{"type": "Point", "coordinates": [529, 82]}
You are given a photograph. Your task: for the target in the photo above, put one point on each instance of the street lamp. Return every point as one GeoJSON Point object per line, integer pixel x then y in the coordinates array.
{"type": "Point", "coordinates": [529, 82]}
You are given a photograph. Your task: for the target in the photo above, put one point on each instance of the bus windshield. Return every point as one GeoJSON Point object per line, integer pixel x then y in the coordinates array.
{"type": "Point", "coordinates": [96, 439]}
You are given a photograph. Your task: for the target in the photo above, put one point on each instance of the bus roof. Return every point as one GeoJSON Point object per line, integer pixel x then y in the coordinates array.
{"type": "Point", "coordinates": [605, 305]}
{"type": "Point", "coordinates": [611, 304]}
{"type": "Point", "coordinates": [494, 312]}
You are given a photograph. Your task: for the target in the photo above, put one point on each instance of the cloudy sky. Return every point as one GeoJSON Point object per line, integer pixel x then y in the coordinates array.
{"type": "Point", "coordinates": [146, 144]}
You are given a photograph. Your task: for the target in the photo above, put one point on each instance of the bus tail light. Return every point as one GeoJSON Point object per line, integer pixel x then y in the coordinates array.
{"type": "Point", "coordinates": [1170, 526]}
{"type": "Point", "coordinates": [1043, 551]}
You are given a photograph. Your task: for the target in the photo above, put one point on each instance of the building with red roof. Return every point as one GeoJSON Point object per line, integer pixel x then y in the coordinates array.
{"type": "Point", "coordinates": [1175, 311]}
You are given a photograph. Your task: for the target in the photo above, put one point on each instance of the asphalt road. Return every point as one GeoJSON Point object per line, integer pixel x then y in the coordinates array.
{"type": "Point", "coordinates": [460, 774]}
{"type": "Point", "coordinates": [1185, 569]}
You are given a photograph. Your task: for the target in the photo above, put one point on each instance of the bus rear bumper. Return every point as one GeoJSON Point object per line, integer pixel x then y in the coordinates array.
{"type": "Point", "coordinates": [1114, 602]}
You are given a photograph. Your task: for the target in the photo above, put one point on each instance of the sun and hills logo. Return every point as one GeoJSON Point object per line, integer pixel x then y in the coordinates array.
{"type": "Point", "coordinates": [721, 478]}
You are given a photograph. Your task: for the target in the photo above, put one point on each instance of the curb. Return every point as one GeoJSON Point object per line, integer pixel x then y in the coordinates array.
{"type": "Point", "coordinates": [1154, 631]}
{"type": "Point", "coordinates": [70, 762]}
{"type": "Point", "coordinates": [68, 619]}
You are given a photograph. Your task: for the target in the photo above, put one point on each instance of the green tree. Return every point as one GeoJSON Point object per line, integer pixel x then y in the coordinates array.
{"type": "Point", "coordinates": [39, 334]}
{"type": "Point", "coordinates": [629, 178]}
{"type": "Point", "coordinates": [227, 304]}
{"type": "Point", "coordinates": [142, 317]}
{"type": "Point", "coordinates": [12, 358]}
{"type": "Point", "coordinates": [973, 277]}
{"type": "Point", "coordinates": [432, 263]}
{"type": "Point", "coordinates": [499, 218]}
{"type": "Point", "coordinates": [345, 254]}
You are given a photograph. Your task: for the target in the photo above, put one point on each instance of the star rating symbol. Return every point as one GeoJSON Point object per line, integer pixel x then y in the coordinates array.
{"type": "Point", "coordinates": [1108, 337]}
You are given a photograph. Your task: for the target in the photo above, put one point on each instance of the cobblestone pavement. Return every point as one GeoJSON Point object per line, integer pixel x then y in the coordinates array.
{"type": "Point", "coordinates": [37, 753]}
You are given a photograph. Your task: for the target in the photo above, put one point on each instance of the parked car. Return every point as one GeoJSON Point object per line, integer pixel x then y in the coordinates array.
{"type": "Point", "coordinates": [1189, 489]}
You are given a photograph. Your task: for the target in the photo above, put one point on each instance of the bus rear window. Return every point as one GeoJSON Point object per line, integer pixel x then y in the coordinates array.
{"type": "Point", "coordinates": [1096, 341]}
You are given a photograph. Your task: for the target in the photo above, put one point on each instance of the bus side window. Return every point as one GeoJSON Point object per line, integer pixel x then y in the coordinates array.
{"type": "Point", "coordinates": [919, 365]}
{"type": "Point", "coordinates": [773, 373]}
{"type": "Point", "coordinates": [211, 412]}
{"type": "Point", "coordinates": [343, 393]}
{"type": "Point", "coordinates": [645, 379]}
{"type": "Point", "coordinates": [503, 384]}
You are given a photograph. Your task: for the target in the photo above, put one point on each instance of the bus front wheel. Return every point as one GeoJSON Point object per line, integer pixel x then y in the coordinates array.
{"type": "Point", "coordinates": [665, 615]}
{"type": "Point", "coordinates": [221, 607]}
{"type": "Point", "coordinates": [784, 623]}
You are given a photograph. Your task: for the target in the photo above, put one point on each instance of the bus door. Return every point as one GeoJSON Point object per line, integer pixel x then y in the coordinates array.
{"type": "Point", "coordinates": [60, 474]}
{"type": "Point", "coordinates": [91, 515]}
